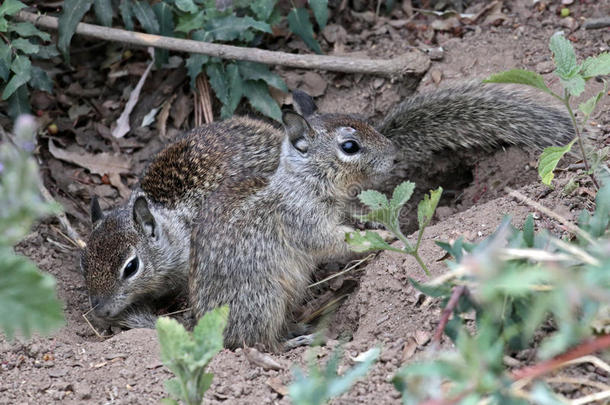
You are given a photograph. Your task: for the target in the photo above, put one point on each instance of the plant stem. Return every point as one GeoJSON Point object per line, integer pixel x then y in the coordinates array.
{"type": "Point", "coordinates": [566, 101]}
{"type": "Point", "coordinates": [420, 261]}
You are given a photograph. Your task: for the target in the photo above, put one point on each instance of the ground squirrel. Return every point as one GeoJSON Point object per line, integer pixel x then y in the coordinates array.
{"type": "Point", "coordinates": [259, 239]}
{"type": "Point", "coordinates": [139, 252]}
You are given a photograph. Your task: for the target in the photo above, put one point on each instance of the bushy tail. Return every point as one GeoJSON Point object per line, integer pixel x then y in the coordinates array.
{"type": "Point", "coordinates": [474, 116]}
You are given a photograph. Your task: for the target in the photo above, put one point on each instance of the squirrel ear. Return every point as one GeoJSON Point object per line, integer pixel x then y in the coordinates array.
{"type": "Point", "coordinates": [143, 217]}
{"type": "Point", "coordinates": [96, 210]}
{"type": "Point", "coordinates": [298, 130]}
{"type": "Point", "coordinates": [303, 103]}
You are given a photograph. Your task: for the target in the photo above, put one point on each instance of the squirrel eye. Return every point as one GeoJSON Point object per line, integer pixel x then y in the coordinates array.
{"type": "Point", "coordinates": [131, 268]}
{"type": "Point", "coordinates": [350, 147]}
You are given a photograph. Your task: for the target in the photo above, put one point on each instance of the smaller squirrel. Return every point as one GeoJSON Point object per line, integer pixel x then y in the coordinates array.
{"type": "Point", "coordinates": [258, 239]}
{"type": "Point", "coordinates": [138, 253]}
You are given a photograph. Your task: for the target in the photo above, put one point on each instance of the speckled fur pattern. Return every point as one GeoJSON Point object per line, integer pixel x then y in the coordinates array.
{"type": "Point", "coordinates": [474, 116]}
{"type": "Point", "coordinates": [258, 240]}
{"type": "Point", "coordinates": [231, 162]}
{"type": "Point", "coordinates": [175, 186]}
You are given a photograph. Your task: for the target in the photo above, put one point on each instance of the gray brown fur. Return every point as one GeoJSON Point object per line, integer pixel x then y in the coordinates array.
{"type": "Point", "coordinates": [174, 187]}
{"type": "Point", "coordinates": [474, 116]}
{"type": "Point", "coordinates": [258, 240]}
{"type": "Point", "coordinates": [231, 161]}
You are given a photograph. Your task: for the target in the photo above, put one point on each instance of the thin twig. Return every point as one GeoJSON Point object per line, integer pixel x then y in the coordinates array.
{"type": "Point", "coordinates": [410, 61]}
{"type": "Point", "coordinates": [586, 348]}
{"type": "Point", "coordinates": [63, 219]}
{"type": "Point", "coordinates": [598, 396]}
{"type": "Point", "coordinates": [569, 225]}
{"type": "Point", "coordinates": [447, 311]}
{"type": "Point", "coordinates": [347, 268]}
{"type": "Point", "coordinates": [91, 325]}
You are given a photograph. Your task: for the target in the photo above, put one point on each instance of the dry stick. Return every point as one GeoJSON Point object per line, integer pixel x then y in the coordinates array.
{"type": "Point", "coordinates": [594, 23]}
{"type": "Point", "coordinates": [412, 62]}
{"type": "Point", "coordinates": [569, 225]}
{"type": "Point", "coordinates": [453, 301]}
{"type": "Point", "coordinates": [588, 347]}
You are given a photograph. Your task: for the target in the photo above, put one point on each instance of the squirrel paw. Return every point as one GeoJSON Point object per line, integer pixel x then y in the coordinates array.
{"type": "Point", "coordinates": [303, 340]}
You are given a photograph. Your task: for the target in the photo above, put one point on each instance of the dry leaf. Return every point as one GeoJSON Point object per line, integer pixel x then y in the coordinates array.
{"type": "Point", "coordinates": [101, 163]}
{"type": "Point", "coordinates": [263, 360]}
{"type": "Point", "coordinates": [422, 337]}
{"type": "Point", "coordinates": [409, 350]}
{"type": "Point", "coordinates": [122, 124]}
{"type": "Point", "coordinates": [275, 383]}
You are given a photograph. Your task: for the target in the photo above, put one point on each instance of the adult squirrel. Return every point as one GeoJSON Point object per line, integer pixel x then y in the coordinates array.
{"type": "Point", "coordinates": [139, 252]}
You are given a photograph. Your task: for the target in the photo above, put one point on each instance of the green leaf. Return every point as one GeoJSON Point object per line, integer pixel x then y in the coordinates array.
{"type": "Point", "coordinates": [146, 16]}
{"type": "Point", "coordinates": [189, 22]}
{"type": "Point", "coordinates": [5, 61]}
{"type": "Point", "coordinates": [28, 301]}
{"type": "Point", "coordinates": [208, 334]}
{"type": "Point", "coordinates": [40, 80]}
{"type": "Point", "coordinates": [103, 12]}
{"type": "Point", "coordinates": [72, 13]}
{"type": "Point", "coordinates": [367, 242]}
{"type": "Point", "coordinates": [10, 7]}
{"type": "Point", "coordinates": [174, 388]}
{"type": "Point", "coordinates": [216, 74]}
{"type": "Point", "coordinates": [574, 85]}
{"type": "Point", "coordinates": [434, 291]}
{"type": "Point", "coordinates": [165, 17]}
{"type": "Point", "coordinates": [402, 193]}
{"type": "Point", "coordinates": [257, 93]}
{"type": "Point", "coordinates": [528, 231]}
{"type": "Point", "coordinates": [258, 71]}
{"type": "Point", "coordinates": [235, 89]}
{"type": "Point", "coordinates": [564, 56]}
{"type": "Point", "coordinates": [320, 11]}
{"type": "Point", "coordinates": [25, 46]}
{"type": "Point", "coordinates": [298, 22]}
{"type": "Point", "coordinates": [427, 206]}
{"type": "Point", "coordinates": [22, 67]}
{"type": "Point", "coordinates": [27, 29]}
{"type": "Point", "coordinates": [47, 52]}
{"type": "Point", "coordinates": [186, 5]}
{"type": "Point", "coordinates": [169, 401]}
{"type": "Point", "coordinates": [588, 106]}
{"type": "Point", "coordinates": [549, 159]}
{"type": "Point", "coordinates": [231, 27]}
{"type": "Point", "coordinates": [173, 339]}
{"type": "Point", "coordinates": [339, 385]}
{"type": "Point", "coordinates": [519, 76]}
{"type": "Point", "coordinates": [194, 66]}
{"type": "Point", "coordinates": [19, 102]}
{"type": "Point", "coordinates": [125, 7]}
{"type": "Point", "coordinates": [596, 66]}
{"type": "Point", "coordinates": [262, 9]}
{"type": "Point", "coordinates": [374, 199]}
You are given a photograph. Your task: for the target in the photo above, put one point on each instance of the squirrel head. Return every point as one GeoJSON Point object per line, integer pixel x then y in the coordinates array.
{"type": "Point", "coordinates": [125, 258]}
{"type": "Point", "coordinates": [339, 150]}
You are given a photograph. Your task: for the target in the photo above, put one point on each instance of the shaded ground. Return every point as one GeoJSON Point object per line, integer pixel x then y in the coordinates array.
{"type": "Point", "coordinates": [75, 366]}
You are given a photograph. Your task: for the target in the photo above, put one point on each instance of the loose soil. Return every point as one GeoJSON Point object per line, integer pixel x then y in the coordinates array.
{"type": "Point", "coordinates": [76, 366]}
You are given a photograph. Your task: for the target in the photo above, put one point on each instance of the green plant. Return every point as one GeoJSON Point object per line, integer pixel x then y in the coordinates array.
{"type": "Point", "coordinates": [188, 354]}
{"type": "Point", "coordinates": [20, 43]}
{"type": "Point", "coordinates": [324, 383]}
{"type": "Point", "coordinates": [236, 22]}
{"type": "Point", "coordinates": [515, 281]}
{"type": "Point", "coordinates": [387, 212]}
{"type": "Point", "coordinates": [27, 297]}
{"type": "Point", "coordinates": [573, 77]}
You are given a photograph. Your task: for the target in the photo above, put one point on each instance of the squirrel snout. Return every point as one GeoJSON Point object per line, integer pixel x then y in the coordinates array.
{"type": "Point", "coordinates": [100, 307]}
